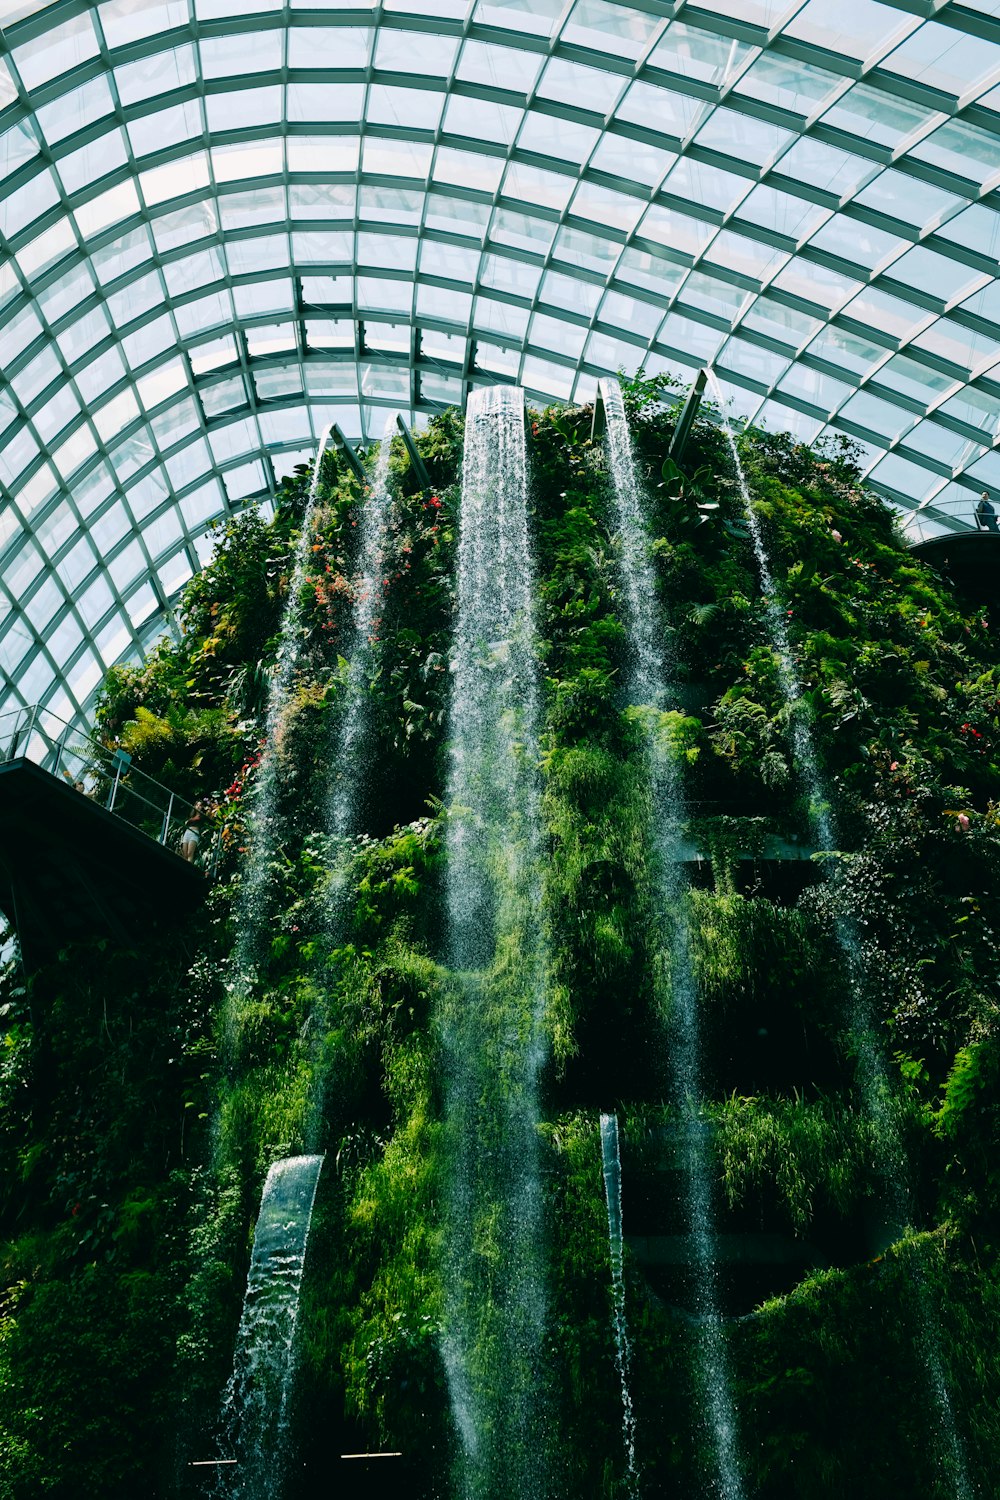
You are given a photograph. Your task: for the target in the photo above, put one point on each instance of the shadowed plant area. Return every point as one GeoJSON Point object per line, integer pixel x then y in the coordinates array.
{"type": "Point", "coordinates": [549, 967]}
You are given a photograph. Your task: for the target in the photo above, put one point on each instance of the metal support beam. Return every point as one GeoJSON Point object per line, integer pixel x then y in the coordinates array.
{"type": "Point", "coordinates": [600, 420]}
{"type": "Point", "coordinates": [417, 463]}
{"type": "Point", "coordinates": [686, 419]}
{"type": "Point", "coordinates": [354, 463]}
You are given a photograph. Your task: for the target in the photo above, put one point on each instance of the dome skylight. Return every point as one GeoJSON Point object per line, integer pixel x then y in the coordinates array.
{"type": "Point", "coordinates": [225, 226]}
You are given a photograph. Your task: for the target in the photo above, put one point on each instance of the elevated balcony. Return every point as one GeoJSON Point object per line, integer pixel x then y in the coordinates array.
{"type": "Point", "coordinates": [88, 843]}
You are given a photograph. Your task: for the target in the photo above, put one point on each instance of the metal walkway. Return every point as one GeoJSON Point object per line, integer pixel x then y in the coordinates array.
{"type": "Point", "coordinates": [88, 843]}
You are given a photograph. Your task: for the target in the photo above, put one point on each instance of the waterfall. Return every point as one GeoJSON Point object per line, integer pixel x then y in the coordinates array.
{"type": "Point", "coordinates": [264, 811]}
{"type": "Point", "coordinates": [255, 1409]}
{"type": "Point", "coordinates": [491, 1022]}
{"type": "Point", "coordinates": [874, 1082]}
{"type": "Point", "coordinates": [648, 690]}
{"type": "Point", "coordinates": [353, 724]}
{"type": "Point", "coordinates": [612, 1165]}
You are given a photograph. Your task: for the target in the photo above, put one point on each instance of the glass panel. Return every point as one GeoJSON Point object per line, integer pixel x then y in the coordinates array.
{"type": "Point", "coordinates": [592, 252]}
{"type": "Point", "coordinates": [17, 333]}
{"type": "Point", "coordinates": [571, 83]}
{"type": "Point", "coordinates": [320, 102]}
{"type": "Point", "coordinates": [148, 341]}
{"type": "Point", "coordinates": [244, 104]}
{"type": "Point", "coordinates": [76, 110]}
{"type": "Point", "coordinates": [905, 197]}
{"type": "Point", "coordinates": [28, 203]}
{"type": "Point", "coordinates": [207, 312]}
{"type": "Point", "coordinates": [820, 390]}
{"type": "Point", "coordinates": [780, 322]}
{"type": "Point", "coordinates": [497, 67]}
{"type": "Point", "coordinates": [838, 347]}
{"type": "Point", "coordinates": [890, 314]}
{"type": "Point", "coordinates": [879, 417]}
{"type": "Point", "coordinates": [739, 135]}
{"type": "Point", "coordinates": [610, 27]}
{"type": "Point", "coordinates": [241, 52]}
{"type": "Point", "coordinates": [960, 345]}
{"type": "Point", "coordinates": [861, 243]}
{"type": "Point", "coordinates": [704, 55]}
{"type": "Point", "coordinates": [535, 185]}
{"type": "Point", "coordinates": [481, 119]}
{"type": "Point", "coordinates": [854, 28]}
{"type": "Point", "coordinates": [64, 294]}
{"type": "Point", "coordinates": [338, 47]}
{"type": "Point", "coordinates": [175, 179]}
{"type": "Point", "coordinates": [522, 230]}
{"type": "Point", "coordinates": [821, 166]}
{"type": "Point", "coordinates": [913, 379]}
{"type": "Point", "coordinates": [468, 169]}
{"type": "Point", "coordinates": [17, 146]}
{"type": "Point", "coordinates": [935, 275]}
{"type": "Point", "coordinates": [749, 257]}
{"type": "Point", "coordinates": [944, 58]}
{"type": "Point", "coordinates": [125, 21]}
{"type": "Point", "coordinates": [413, 52]}
{"type": "Point", "coordinates": [962, 149]}
{"type": "Point", "coordinates": [635, 160]}
{"type": "Point", "coordinates": [56, 51]}
{"type": "Point", "coordinates": [694, 182]}
{"type": "Point", "coordinates": [782, 213]}
{"type": "Point", "coordinates": [139, 81]}
{"type": "Point", "coordinates": [623, 312]}
{"type": "Point", "coordinates": [549, 135]}
{"type": "Point", "coordinates": [695, 343]}
{"type": "Point", "coordinates": [815, 283]}
{"type": "Point", "coordinates": [561, 338]}
{"type": "Point", "coordinates": [395, 159]}
{"type": "Point", "coordinates": [789, 83]}
{"type": "Point", "coordinates": [875, 116]}
{"type": "Point", "coordinates": [538, 16]}
{"type": "Point", "coordinates": [978, 228]}
{"type": "Point", "coordinates": [669, 113]}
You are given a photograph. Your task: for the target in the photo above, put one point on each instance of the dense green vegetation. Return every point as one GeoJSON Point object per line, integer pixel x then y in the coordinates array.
{"type": "Point", "coordinates": [143, 1097]}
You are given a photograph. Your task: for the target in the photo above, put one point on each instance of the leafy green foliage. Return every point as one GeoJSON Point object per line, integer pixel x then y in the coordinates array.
{"type": "Point", "coordinates": [141, 1104]}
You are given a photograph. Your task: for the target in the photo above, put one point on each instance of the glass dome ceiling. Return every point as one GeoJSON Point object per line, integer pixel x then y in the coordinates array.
{"type": "Point", "coordinates": [226, 224]}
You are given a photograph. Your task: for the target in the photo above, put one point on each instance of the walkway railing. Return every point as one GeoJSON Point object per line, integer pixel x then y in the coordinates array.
{"type": "Point", "coordinates": [108, 776]}
{"type": "Point", "coordinates": [939, 521]}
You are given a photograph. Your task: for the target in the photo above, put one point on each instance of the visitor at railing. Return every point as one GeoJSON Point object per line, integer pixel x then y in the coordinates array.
{"type": "Point", "coordinates": [191, 837]}
{"type": "Point", "coordinates": [108, 776]}
{"type": "Point", "coordinates": [986, 516]}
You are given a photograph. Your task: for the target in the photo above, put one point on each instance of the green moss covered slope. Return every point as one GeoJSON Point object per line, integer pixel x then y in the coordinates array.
{"type": "Point", "coordinates": [142, 1101]}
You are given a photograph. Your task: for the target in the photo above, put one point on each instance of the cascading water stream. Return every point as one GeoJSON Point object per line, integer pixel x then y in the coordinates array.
{"type": "Point", "coordinates": [256, 1397]}
{"type": "Point", "coordinates": [648, 689]}
{"type": "Point", "coordinates": [491, 1021]}
{"type": "Point", "coordinates": [612, 1166]}
{"type": "Point", "coordinates": [255, 1407]}
{"type": "Point", "coordinates": [252, 904]}
{"type": "Point", "coordinates": [264, 810]}
{"type": "Point", "coordinates": [353, 724]}
{"type": "Point", "coordinates": [353, 728]}
{"type": "Point", "coordinates": [874, 1082]}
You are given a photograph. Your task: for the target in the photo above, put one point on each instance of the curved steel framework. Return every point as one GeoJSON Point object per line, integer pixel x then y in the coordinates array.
{"type": "Point", "coordinates": [226, 223]}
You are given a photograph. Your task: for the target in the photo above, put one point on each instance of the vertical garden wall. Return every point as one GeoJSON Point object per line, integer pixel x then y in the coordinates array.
{"type": "Point", "coordinates": [145, 1092]}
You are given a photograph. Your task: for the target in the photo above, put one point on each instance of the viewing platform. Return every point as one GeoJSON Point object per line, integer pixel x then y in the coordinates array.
{"type": "Point", "coordinates": [88, 843]}
{"type": "Point", "coordinates": [963, 545]}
